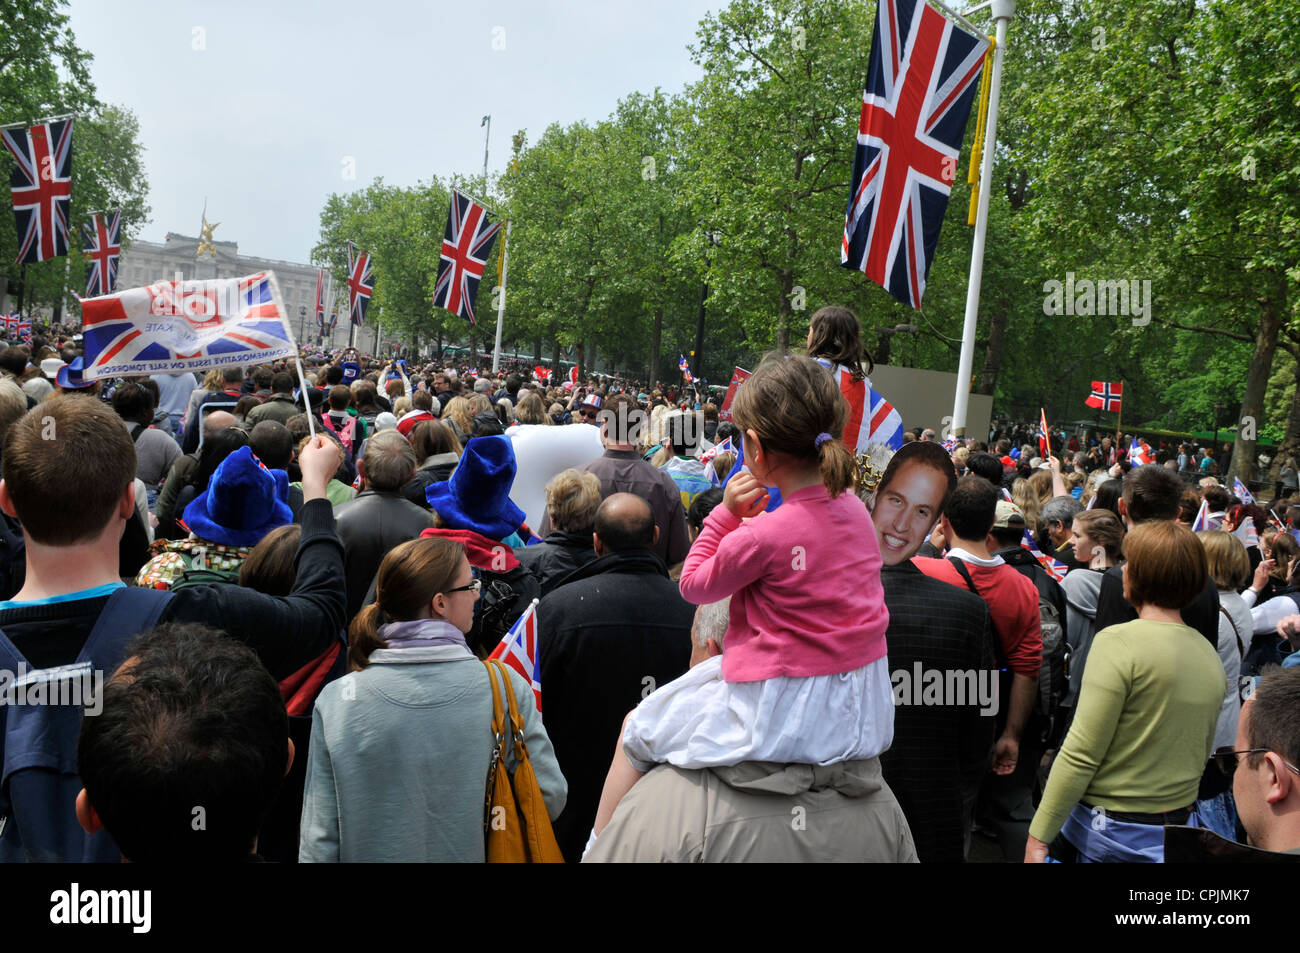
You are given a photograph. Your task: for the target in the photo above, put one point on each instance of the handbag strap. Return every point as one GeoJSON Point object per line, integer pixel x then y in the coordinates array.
{"type": "Point", "coordinates": [498, 716]}
{"type": "Point", "coordinates": [1241, 648]}
{"type": "Point", "coordinates": [516, 721]}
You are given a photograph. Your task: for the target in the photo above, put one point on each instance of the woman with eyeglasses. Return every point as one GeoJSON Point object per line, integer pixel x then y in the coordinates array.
{"type": "Point", "coordinates": [401, 747]}
{"type": "Point", "coordinates": [1145, 719]}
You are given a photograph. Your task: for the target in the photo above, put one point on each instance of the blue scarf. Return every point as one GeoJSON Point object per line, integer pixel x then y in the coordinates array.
{"type": "Point", "coordinates": [421, 633]}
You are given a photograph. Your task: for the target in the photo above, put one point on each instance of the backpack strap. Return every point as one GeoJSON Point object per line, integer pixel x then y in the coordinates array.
{"type": "Point", "coordinates": [129, 612]}
{"type": "Point", "coordinates": [962, 571]}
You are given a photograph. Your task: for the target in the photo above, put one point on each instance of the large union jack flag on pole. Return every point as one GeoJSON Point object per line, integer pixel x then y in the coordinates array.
{"type": "Point", "coordinates": [921, 80]}
{"type": "Point", "coordinates": [466, 246]}
{"type": "Point", "coordinates": [361, 283]}
{"type": "Point", "coordinates": [102, 246]}
{"type": "Point", "coordinates": [41, 186]}
{"type": "Point", "coordinates": [519, 650]}
{"type": "Point", "coordinates": [1106, 396]}
{"type": "Point", "coordinates": [186, 325]}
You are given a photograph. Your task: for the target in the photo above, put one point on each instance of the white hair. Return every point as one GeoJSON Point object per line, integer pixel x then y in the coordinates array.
{"type": "Point", "coordinates": [711, 622]}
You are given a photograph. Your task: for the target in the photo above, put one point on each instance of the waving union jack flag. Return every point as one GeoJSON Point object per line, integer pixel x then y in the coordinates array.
{"type": "Point", "coordinates": [920, 83]}
{"type": "Point", "coordinates": [466, 245]}
{"type": "Point", "coordinates": [685, 367]}
{"type": "Point", "coordinates": [102, 244]}
{"type": "Point", "coordinates": [361, 283]}
{"type": "Point", "coordinates": [185, 325]}
{"type": "Point", "coordinates": [41, 185]}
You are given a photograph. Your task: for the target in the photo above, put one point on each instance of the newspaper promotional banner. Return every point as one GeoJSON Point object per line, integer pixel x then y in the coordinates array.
{"type": "Point", "coordinates": [186, 326]}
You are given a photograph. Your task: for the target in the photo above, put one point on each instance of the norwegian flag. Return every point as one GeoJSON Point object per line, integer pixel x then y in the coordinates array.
{"type": "Point", "coordinates": [1055, 568]}
{"type": "Point", "coordinates": [361, 283]}
{"type": "Point", "coordinates": [1106, 396]}
{"type": "Point", "coordinates": [518, 649]}
{"type": "Point", "coordinates": [41, 185]}
{"type": "Point", "coordinates": [186, 325]}
{"type": "Point", "coordinates": [872, 419]}
{"type": "Point", "coordinates": [102, 244]}
{"type": "Point", "coordinates": [466, 245]}
{"type": "Point", "coordinates": [685, 367]}
{"type": "Point", "coordinates": [921, 80]}
{"type": "Point", "coordinates": [16, 325]}
{"type": "Point", "coordinates": [1240, 491]}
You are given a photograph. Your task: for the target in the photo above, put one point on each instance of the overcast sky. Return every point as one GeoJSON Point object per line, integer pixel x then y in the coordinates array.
{"type": "Point", "coordinates": [259, 106]}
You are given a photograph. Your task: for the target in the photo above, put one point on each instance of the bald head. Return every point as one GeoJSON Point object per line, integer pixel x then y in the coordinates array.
{"type": "Point", "coordinates": [217, 421]}
{"type": "Point", "coordinates": [624, 523]}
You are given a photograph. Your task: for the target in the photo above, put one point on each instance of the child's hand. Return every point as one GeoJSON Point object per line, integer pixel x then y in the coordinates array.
{"type": "Point", "coordinates": [745, 496]}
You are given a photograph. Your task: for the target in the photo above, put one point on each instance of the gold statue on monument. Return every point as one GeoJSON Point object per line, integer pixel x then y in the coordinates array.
{"type": "Point", "coordinates": [205, 238]}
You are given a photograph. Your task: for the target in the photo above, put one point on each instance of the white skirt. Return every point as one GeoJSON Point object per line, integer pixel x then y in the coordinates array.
{"type": "Point", "coordinates": [700, 720]}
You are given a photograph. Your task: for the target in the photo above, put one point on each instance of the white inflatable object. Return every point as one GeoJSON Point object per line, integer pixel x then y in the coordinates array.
{"type": "Point", "coordinates": [542, 453]}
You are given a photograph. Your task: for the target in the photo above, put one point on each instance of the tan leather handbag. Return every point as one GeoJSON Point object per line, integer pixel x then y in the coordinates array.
{"type": "Point", "coordinates": [515, 823]}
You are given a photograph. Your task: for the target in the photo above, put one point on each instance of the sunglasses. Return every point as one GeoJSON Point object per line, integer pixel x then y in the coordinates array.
{"type": "Point", "coordinates": [1226, 759]}
{"type": "Point", "coordinates": [588, 414]}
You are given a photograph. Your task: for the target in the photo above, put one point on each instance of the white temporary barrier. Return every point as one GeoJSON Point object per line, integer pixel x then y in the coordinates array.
{"type": "Point", "coordinates": [542, 453]}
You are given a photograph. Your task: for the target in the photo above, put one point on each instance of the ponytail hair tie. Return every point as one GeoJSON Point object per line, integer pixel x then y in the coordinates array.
{"type": "Point", "coordinates": [821, 439]}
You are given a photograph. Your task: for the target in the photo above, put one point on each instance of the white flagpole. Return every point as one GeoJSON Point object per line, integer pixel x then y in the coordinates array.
{"type": "Point", "coordinates": [501, 302]}
{"type": "Point", "coordinates": [1002, 11]}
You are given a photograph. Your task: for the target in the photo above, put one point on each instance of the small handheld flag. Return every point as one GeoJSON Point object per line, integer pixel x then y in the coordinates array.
{"type": "Point", "coordinates": [519, 650]}
{"type": "Point", "coordinates": [1240, 491]}
{"type": "Point", "coordinates": [1202, 517]}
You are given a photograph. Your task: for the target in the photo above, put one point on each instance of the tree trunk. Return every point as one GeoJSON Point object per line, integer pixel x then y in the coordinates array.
{"type": "Point", "coordinates": [473, 345]}
{"type": "Point", "coordinates": [656, 342]}
{"type": "Point", "coordinates": [1252, 402]}
{"type": "Point", "coordinates": [993, 353]}
{"type": "Point", "coordinates": [591, 361]}
{"type": "Point", "coordinates": [783, 311]}
{"type": "Point", "coordinates": [581, 361]}
{"type": "Point", "coordinates": [556, 378]}
{"type": "Point", "coordinates": [537, 349]}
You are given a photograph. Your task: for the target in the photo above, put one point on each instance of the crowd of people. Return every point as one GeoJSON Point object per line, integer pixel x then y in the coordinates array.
{"type": "Point", "coordinates": [245, 616]}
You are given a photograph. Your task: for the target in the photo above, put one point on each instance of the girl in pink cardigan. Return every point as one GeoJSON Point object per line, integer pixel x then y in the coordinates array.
{"type": "Point", "coordinates": [804, 677]}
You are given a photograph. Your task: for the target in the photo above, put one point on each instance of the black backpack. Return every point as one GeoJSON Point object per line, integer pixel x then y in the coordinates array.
{"type": "Point", "coordinates": [1053, 674]}
{"type": "Point", "coordinates": [503, 599]}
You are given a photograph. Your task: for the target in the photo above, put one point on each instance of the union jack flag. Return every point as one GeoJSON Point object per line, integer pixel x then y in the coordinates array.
{"type": "Point", "coordinates": [361, 283]}
{"type": "Point", "coordinates": [949, 444]}
{"type": "Point", "coordinates": [872, 419]}
{"type": "Point", "coordinates": [185, 325]}
{"type": "Point", "coordinates": [1105, 396]}
{"type": "Point", "coordinates": [1240, 491]}
{"type": "Point", "coordinates": [41, 185]}
{"type": "Point", "coordinates": [921, 80]}
{"type": "Point", "coordinates": [102, 244]}
{"type": "Point", "coordinates": [16, 324]}
{"type": "Point", "coordinates": [1202, 518]}
{"type": "Point", "coordinates": [1055, 568]}
{"type": "Point", "coordinates": [685, 367]}
{"type": "Point", "coordinates": [466, 245]}
{"type": "Point", "coordinates": [518, 649]}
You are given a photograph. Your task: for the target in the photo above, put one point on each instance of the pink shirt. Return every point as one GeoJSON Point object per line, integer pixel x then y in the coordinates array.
{"type": "Point", "coordinates": [804, 582]}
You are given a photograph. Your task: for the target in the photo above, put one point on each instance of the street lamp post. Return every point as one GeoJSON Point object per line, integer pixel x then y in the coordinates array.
{"type": "Point", "coordinates": [302, 321]}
